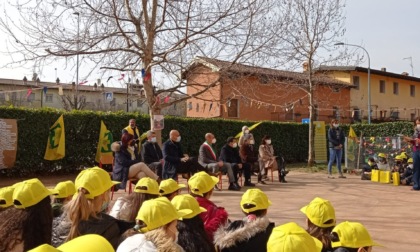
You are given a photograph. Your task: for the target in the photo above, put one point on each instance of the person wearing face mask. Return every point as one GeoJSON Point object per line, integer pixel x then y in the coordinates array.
{"type": "Point", "coordinates": [415, 141]}
{"type": "Point", "coordinates": [407, 177]}
{"type": "Point", "coordinates": [132, 129]}
{"type": "Point", "coordinates": [268, 161]}
{"type": "Point", "coordinates": [336, 140]}
{"type": "Point", "coordinates": [151, 153]}
{"type": "Point", "coordinates": [208, 159]}
{"type": "Point", "coordinates": [126, 166]}
{"type": "Point", "coordinates": [156, 228]}
{"type": "Point", "coordinates": [246, 134]}
{"type": "Point", "coordinates": [230, 154]}
{"type": "Point", "coordinates": [175, 161]}
{"type": "Point", "coordinates": [367, 169]}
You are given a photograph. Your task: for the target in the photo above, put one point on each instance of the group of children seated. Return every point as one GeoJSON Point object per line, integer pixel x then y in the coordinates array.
{"type": "Point", "coordinates": [157, 217]}
{"type": "Point", "coordinates": [403, 165]}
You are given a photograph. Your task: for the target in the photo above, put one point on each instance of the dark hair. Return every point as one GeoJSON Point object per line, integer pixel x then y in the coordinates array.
{"type": "Point", "coordinates": [125, 139]}
{"type": "Point", "coordinates": [415, 121]}
{"type": "Point", "coordinates": [192, 236]}
{"type": "Point", "coordinates": [264, 139]}
{"type": "Point", "coordinates": [170, 195]}
{"type": "Point", "coordinates": [32, 224]}
{"type": "Point", "coordinates": [334, 238]}
{"type": "Point", "coordinates": [258, 213]}
{"type": "Point", "coordinates": [371, 159]}
{"type": "Point", "coordinates": [322, 234]}
{"type": "Point", "coordinates": [332, 122]}
{"type": "Point", "coordinates": [230, 139]}
{"type": "Point", "coordinates": [199, 196]}
{"type": "Point", "coordinates": [137, 200]}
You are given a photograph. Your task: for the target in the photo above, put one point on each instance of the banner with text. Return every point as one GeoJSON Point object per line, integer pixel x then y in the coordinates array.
{"type": "Point", "coordinates": [8, 143]}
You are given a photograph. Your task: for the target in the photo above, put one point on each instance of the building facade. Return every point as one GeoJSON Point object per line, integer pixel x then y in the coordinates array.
{"type": "Point", "coordinates": [393, 96]}
{"type": "Point", "coordinates": [237, 91]}
{"type": "Point", "coordinates": [39, 94]}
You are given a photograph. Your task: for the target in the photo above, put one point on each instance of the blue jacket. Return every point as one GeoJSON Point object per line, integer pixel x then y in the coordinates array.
{"type": "Point", "coordinates": [172, 154]}
{"type": "Point", "coordinates": [335, 137]}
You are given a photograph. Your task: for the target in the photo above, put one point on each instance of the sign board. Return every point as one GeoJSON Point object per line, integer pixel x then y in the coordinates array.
{"type": "Point", "coordinates": [109, 96]}
{"type": "Point", "coordinates": [158, 122]}
{"type": "Point", "coordinates": [320, 142]}
{"type": "Point", "coordinates": [8, 142]}
{"type": "Point", "coordinates": [305, 120]}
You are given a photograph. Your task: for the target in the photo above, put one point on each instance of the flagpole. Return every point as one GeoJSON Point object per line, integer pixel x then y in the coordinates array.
{"type": "Point", "coordinates": [77, 60]}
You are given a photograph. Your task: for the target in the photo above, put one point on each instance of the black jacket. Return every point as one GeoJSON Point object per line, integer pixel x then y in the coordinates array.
{"type": "Point", "coordinates": [122, 163]}
{"type": "Point", "coordinates": [230, 155]}
{"type": "Point", "coordinates": [151, 152]}
{"type": "Point", "coordinates": [242, 236]}
{"type": "Point", "coordinates": [335, 137]}
{"type": "Point", "coordinates": [172, 154]}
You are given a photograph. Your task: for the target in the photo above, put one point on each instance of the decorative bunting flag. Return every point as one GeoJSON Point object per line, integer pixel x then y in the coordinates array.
{"type": "Point", "coordinates": [104, 143]}
{"type": "Point", "coordinates": [56, 141]}
{"type": "Point", "coordinates": [28, 93]}
{"type": "Point", "coordinates": [204, 107]}
{"type": "Point", "coordinates": [143, 73]}
{"type": "Point", "coordinates": [110, 77]}
{"type": "Point", "coordinates": [148, 77]}
{"type": "Point", "coordinates": [211, 105]}
{"type": "Point", "coordinates": [122, 77]}
{"type": "Point", "coordinates": [166, 100]}
{"type": "Point", "coordinates": [45, 90]}
{"type": "Point", "coordinates": [83, 82]}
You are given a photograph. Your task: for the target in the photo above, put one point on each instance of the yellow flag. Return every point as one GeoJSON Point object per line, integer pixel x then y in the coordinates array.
{"type": "Point", "coordinates": [143, 136]}
{"type": "Point", "coordinates": [56, 144]}
{"type": "Point", "coordinates": [104, 143]}
{"type": "Point", "coordinates": [352, 134]}
{"type": "Point", "coordinates": [250, 128]}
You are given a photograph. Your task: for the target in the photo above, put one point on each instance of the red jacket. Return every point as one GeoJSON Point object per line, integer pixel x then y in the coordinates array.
{"type": "Point", "coordinates": [213, 218]}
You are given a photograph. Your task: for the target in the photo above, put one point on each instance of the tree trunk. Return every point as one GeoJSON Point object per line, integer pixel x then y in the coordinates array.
{"type": "Point", "coordinates": [311, 150]}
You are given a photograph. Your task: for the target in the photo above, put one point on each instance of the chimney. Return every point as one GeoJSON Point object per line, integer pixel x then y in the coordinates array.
{"type": "Point", "coordinates": [383, 69]}
{"type": "Point", "coordinates": [305, 66]}
{"type": "Point", "coordinates": [405, 74]}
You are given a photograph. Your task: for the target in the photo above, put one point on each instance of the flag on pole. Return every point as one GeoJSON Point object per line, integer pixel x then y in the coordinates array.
{"type": "Point", "coordinates": [83, 82]}
{"type": "Point", "coordinates": [351, 145]}
{"type": "Point", "coordinates": [352, 134]}
{"type": "Point", "coordinates": [104, 143]}
{"type": "Point", "coordinates": [28, 93]}
{"type": "Point", "coordinates": [122, 77]}
{"type": "Point", "coordinates": [250, 128]}
{"type": "Point", "coordinates": [56, 148]}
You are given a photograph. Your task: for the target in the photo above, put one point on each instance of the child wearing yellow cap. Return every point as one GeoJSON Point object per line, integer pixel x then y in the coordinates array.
{"type": "Point", "coordinates": [252, 233]}
{"type": "Point", "coordinates": [407, 176]}
{"type": "Point", "coordinates": [127, 207]}
{"type": "Point", "coordinates": [157, 221]}
{"type": "Point", "coordinates": [29, 223]}
{"type": "Point", "coordinates": [86, 210]}
{"type": "Point", "coordinates": [320, 219]}
{"type": "Point", "coordinates": [84, 243]}
{"type": "Point", "coordinates": [201, 186]}
{"type": "Point", "coordinates": [192, 236]}
{"type": "Point", "coordinates": [6, 197]}
{"type": "Point", "coordinates": [169, 188]}
{"type": "Point", "coordinates": [291, 237]}
{"type": "Point", "coordinates": [66, 190]}
{"type": "Point", "coordinates": [351, 237]}
{"type": "Point", "coordinates": [367, 169]}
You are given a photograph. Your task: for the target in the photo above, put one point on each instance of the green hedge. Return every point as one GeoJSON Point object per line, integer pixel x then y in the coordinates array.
{"type": "Point", "coordinates": [82, 131]}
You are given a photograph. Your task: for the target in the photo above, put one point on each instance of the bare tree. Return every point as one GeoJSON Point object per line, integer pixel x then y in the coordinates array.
{"type": "Point", "coordinates": [312, 28]}
{"type": "Point", "coordinates": [146, 38]}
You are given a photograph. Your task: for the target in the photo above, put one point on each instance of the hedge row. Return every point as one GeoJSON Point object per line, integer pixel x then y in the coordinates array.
{"type": "Point", "coordinates": [82, 131]}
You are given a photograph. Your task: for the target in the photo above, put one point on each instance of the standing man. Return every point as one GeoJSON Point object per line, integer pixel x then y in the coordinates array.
{"type": "Point", "coordinates": [230, 154]}
{"type": "Point", "coordinates": [151, 153]}
{"type": "Point", "coordinates": [175, 161]}
{"type": "Point", "coordinates": [336, 140]}
{"type": "Point", "coordinates": [133, 130]}
{"type": "Point", "coordinates": [208, 159]}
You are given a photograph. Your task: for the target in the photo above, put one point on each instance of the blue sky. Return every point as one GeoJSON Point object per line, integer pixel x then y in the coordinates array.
{"type": "Point", "coordinates": [388, 29]}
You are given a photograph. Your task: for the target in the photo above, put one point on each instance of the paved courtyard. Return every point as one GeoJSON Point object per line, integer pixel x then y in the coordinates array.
{"type": "Point", "coordinates": [390, 213]}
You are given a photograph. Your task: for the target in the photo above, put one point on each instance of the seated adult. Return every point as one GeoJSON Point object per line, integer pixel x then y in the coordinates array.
{"type": "Point", "coordinates": [230, 154]}
{"type": "Point", "coordinates": [175, 161]}
{"type": "Point", "coordinates": [151, 153]}
{"type": "Point", "coordinates": [133, 130]}
{"type": "Point", "coordinates": [126, 166]}
{"type": "Point", "coordinates": [208, 159]}
{"type": "Point", "coordinates": [246, 152]}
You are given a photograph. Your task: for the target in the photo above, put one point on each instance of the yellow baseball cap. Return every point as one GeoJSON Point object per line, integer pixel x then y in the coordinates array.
{"type": "Point", "coordinates": [291, 237]}
{"type": "Point", "coordinates": [382, 155]}
{"type": "Point", "coordinates": [30, 192]}
{"type": "Point", "coordinates": [158, 212]}
{"type": "Point", "coordinates": [147, 185]}
{"type": "Point", "coordinates": [65, 189]}
{"type": "Point", "coordinates": [201, 183]}
{"type": "Point", "coordinates": [253, 200]}
{"type": "Point", "coordinates": [403, 155]}
{"type": "Point", "coordinates": [320, 212]}
{"type": "Point", "coordinates": [410, 160]}
{"type": "Point", "coordinates": [95, 180]}
{"type": "Point", "coordinates": [168, 186]}
{"type": "Point", "coordinates": [352, 235]}
{"type": "Point", "coordinates": [84, 243]}
{"type": "Point", "coordinates": [186, 201]}
{"type": "Point", "coordinates": [6, 196]}
{"type": "Point", "coordinates": [398, 157]}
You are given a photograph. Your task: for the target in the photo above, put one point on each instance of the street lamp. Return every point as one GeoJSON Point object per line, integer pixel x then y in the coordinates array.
{"type": "Point", "coordinates": [342, 44]}
{"type": "Point", "coordinates": [77, 58]}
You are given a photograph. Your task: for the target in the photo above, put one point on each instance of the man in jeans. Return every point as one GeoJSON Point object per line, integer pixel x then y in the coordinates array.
{"type": "Point", "coordinates": [208, 159]}
{"type": "Point", "coordinates": [336, 140]}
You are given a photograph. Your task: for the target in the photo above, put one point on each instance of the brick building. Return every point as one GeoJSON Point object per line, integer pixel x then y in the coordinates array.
{"type": "Point", "coordinates": [238, 91]}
